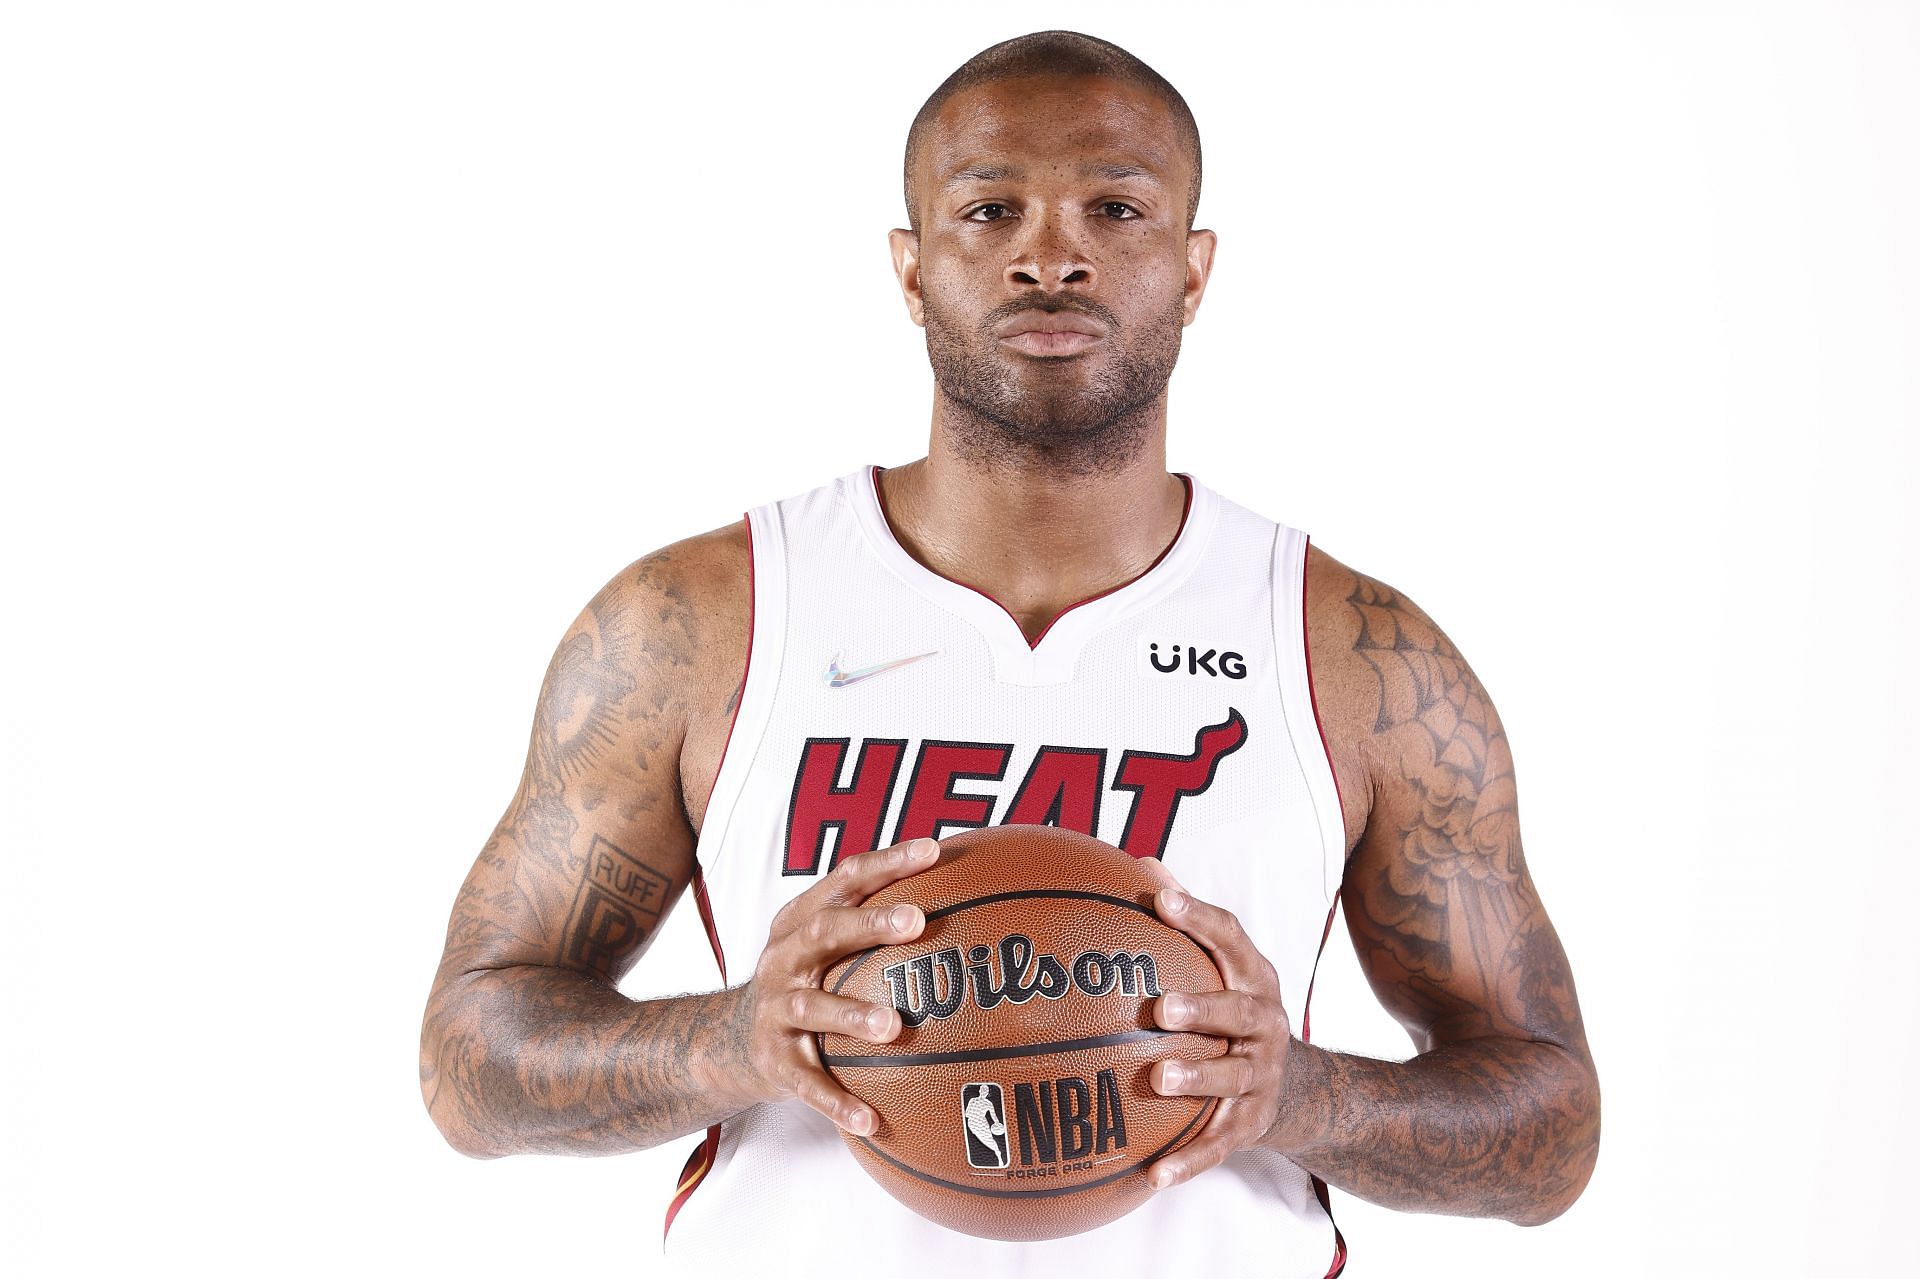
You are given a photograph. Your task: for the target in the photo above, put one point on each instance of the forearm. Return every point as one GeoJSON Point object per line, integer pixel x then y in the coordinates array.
{"type": "Point", "coordinates": [543, 1060]}
{"type": "Point", "coordinates": [1489, 1127]}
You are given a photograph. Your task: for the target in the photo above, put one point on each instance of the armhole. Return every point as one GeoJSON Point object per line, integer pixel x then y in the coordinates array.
{"type": "Point", "coordinates": [767, 577]}
{"type": "Point", "coordinates": [1295, 671]}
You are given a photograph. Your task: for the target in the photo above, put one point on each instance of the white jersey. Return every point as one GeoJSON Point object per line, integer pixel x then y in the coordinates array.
{"type": "Point", "coordinates": [1172, 716]}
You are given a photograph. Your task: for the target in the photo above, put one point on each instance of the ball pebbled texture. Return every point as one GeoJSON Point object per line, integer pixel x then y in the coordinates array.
{"type": "Point", "coordinates": [1060, 1059]}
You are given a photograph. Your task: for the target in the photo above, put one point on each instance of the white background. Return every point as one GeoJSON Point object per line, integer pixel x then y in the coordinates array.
{"type": "Point", "coordinates": [349, 348]}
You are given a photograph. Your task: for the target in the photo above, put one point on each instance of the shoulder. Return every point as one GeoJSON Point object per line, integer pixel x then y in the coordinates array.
{"type": "Point", "coordinates": [659, 647]}
{"type": "Point", "coordinates": [686, 580]}
{"type": "Point", "coordinates": [1389, 685]}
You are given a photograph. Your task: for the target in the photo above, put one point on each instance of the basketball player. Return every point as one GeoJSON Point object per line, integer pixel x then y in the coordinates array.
{"type": "Point", "coordinates": [1035, 622]}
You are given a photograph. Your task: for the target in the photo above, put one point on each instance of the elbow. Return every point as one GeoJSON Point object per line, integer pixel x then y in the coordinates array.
{"type": "Point", "coordinates": [458, 1134]}
{"type": "Point", "coordinates": [1574, 1131]}
{"type": "Point", "coordinates": [467, 1144]}
{"type": "Point", "coordinates": [440, 1090]}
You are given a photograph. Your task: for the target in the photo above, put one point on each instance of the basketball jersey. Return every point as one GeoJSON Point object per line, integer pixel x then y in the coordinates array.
{"type": "Point", "coordinates": [1172, 716]}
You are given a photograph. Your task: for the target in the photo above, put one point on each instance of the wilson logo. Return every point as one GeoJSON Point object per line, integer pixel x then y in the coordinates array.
{"type": "Point", "coordinates": [1161, 658]}
{"type": "Point", "coordinates": [919, 995]}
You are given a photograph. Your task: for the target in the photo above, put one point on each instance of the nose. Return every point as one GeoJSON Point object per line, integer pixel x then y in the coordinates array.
{"type": "Point", "coordinates": [1048, 259]}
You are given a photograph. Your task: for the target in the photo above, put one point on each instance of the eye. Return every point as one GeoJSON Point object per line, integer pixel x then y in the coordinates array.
{"type": "Point", "coordinates": [997, 210]}
{"type": "Point", "coordinates": [1119, 212]}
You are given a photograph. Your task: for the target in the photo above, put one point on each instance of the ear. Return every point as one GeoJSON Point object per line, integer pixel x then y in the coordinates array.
{"type": "Point", "coordinates": [906, 265]}
{"type": "Point", "coordinates": [1200, 246]}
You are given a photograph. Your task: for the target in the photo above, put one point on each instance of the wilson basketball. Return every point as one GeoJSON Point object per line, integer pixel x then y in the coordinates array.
{"type": "Point", "coordinates": [1016, 1103]}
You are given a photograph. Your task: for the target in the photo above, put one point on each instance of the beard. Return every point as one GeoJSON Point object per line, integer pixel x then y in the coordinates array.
{"type": "Point", "coordinates": [1054, 416]}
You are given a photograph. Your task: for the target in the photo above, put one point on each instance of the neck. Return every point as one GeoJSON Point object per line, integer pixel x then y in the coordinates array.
{"type": "Point", "coordinates": [1035, 531]}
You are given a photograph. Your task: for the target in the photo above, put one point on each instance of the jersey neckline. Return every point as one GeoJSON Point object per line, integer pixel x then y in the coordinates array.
{"type": "Point", "coordinates": [1050, 657]}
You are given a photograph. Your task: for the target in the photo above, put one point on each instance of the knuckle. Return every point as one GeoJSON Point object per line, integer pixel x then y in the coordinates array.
{"type": "Point", "coordinates": [818, 927]}
{"type": "Point", "coordinates": [797, 1004]}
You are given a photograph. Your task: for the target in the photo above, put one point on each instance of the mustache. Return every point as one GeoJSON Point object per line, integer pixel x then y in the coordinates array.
{"type": "Point", "coordinates": [1084, 306]}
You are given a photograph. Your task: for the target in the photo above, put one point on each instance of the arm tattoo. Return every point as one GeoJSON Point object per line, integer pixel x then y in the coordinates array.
{"type": "Point", "coordinates": [1499, 1114]}
{"type": "Point", "coordinates": [528, 1045]}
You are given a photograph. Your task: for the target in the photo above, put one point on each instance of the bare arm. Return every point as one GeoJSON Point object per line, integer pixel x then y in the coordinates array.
{"type": "Point", "coordinates": [1499, 1114]}
{"type": "Point", "coordinates": [527, 1045]}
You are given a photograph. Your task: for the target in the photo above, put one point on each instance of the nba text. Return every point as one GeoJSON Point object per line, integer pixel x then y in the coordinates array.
{"type": "Point", "coordinates": [1063, 1120]}
{"type": "Point", "coordinates": [1064, 1125]}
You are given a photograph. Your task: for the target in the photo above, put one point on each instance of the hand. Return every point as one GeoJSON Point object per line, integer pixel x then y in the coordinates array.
{"type": "Point", "coordinates": [1250, 1077]}
{"type": "Point", "coordinates": [785, 1005]}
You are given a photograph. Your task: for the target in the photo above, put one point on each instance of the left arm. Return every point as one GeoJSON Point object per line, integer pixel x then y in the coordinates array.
{"type": "Point", "coordinates": [1498, 1114]}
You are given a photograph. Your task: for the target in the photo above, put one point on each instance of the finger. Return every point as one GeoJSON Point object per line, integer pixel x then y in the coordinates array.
{"type": "Point", "coordinates": [833, 931]}
{"type": "Point", "coordinates": [859, 877]}
{"type": "Point", "coordinates": [1219, 1077]}
{"type": "Point", "coordinates": [1231, 1014]}
{"type": "Point", "coordinates": [817, 1090]}
{"type": "Point", "coordinates": [809, 1008]}
{"type": "Point", "coordinates": [855, 879]}
{"type": "Point", "coordinates": [1219, 931]}
{"type": "Point", "coordinates": [1191, 1159]}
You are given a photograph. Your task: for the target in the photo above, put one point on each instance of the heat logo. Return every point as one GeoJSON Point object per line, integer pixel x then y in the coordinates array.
{"type": "Point", "coordinates": [844, 790]}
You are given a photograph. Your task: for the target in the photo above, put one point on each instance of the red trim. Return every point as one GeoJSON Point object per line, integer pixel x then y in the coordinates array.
{"type": "Point", "coordinates": [705, 906]}
{"type": "Point", "coordinates": [1306, 645]}
{"type": "Point", "coordinates": [752, 610]}
{"type": "Point", "coordinates": [1186, 481]}
{"type": "Point", "coordinates": [1339, 1262]}
{"type": "Point", "coordinates": [700, 1162]}
{"type": "Point", "coordinates": [1306, 1037]}
{"type": "Point", "coordinates": [1306, 1009]}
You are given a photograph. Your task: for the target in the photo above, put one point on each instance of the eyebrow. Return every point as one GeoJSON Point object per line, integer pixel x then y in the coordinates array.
{"type": "Point", "coordinates": [982, 173]}
{"type": "Point", "coordinates": [1001, 172]}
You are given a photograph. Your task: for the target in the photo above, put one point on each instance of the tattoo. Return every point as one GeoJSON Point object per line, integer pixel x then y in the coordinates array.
{"type": "Point", "coordinates": [585, 1070]}
{"type": "Point", "coordinates": [619, 905]}
{"type": "Point", "coordinates": [527, 1043]}
{"type": "Point", "coordinates": [1491, 1127]}
{"type": "Point", "coordinates": [1439, 907]}
{"type": "Point", "coordinates": [1499, 1113]}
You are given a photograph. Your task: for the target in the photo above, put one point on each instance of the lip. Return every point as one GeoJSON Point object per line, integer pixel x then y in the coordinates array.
{"type": "Point", "coordinates": [1050, 332]}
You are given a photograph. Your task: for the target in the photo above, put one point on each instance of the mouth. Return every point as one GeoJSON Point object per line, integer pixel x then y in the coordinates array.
{"type": "Point", "coordinates": [1051, 333]}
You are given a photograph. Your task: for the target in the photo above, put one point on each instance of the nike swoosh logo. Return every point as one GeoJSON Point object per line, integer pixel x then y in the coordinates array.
{"type": "Point", "coordinates": [834, 677]}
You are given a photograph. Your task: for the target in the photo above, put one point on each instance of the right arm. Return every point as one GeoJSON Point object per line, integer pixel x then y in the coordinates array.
{"type": "Point", "coordinates": [527, 1045]}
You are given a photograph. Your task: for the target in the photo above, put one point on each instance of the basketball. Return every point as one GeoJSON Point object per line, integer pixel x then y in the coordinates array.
{"type": "Point", "coordinates": [1016, 1102]}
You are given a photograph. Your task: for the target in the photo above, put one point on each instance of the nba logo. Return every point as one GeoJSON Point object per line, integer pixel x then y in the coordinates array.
{"type": "Point", "coordinates": [983, 1115]}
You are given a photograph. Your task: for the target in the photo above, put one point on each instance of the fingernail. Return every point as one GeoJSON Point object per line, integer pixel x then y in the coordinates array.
{"type": "Point", "coordinates": [1162, 1177]}
{"type": "Point", "coordinates": [900, 918]}
{"type": "Point", "coordinates": [1176, 900]}
{"type": "Point", "coordinates": [1176, 1008]}
{"type": "Point", "coordinates": [1172, 1075]}
{"type": "Point", "coordinates": [862, 1122]}
{"type": "Point", "coordinates": [877, 1021]}
{"type": "Point", "coordinates": [921, 849]}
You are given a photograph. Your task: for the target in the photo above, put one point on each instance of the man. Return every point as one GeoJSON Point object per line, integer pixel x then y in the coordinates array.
{"type": "Point", "coordinates": [1048, 627]}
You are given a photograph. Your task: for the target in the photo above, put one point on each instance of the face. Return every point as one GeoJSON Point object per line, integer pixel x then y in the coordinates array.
{"type": "Point", "coordinates": [1053, 269]}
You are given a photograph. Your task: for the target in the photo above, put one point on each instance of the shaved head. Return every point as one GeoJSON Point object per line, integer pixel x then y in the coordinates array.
{"type": "Point", "coordinates": [1056, 55]}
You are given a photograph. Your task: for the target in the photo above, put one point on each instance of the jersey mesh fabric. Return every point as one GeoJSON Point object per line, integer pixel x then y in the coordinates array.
{"type": "Point", "coordinates": [831, 584]}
